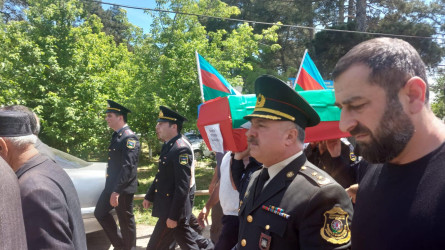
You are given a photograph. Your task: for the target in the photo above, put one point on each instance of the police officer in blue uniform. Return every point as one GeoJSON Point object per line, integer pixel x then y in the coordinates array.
{"type": "Point", "coordinates": [169, 192]}
{"type": "Point", "coordinates": [121, 181]}
{"type": "Point", "coordinates": [289, 203]}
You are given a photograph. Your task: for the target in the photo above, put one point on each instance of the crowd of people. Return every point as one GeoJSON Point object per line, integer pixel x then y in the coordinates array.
{"type": "Point", "coordinates": [382, 188]}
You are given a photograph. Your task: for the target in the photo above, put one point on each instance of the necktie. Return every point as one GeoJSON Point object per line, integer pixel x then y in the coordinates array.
{"type": "Point", "coordinates": [264, 176]}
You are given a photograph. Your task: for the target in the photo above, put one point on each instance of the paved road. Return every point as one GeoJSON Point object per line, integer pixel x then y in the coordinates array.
{"type": "Point", "coordinates": [99, 241]}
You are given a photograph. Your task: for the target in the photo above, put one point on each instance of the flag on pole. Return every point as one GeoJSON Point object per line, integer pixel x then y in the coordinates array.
{"type": "Point", "coordinates": [212, 83]}
{"type": "Point", "coordinates": [308, 76]}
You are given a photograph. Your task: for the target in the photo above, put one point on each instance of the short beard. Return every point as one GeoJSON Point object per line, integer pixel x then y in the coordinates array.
{"type": "Point", "coordinates": [389, 140]}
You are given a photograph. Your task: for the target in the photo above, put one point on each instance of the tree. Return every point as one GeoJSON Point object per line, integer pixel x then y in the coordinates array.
{"type": "Point", "coordinates": [55, 64]}
{"type": "Point", "coordinates": [167, 66]}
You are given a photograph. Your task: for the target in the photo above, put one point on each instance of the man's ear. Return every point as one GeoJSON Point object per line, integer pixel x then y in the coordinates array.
{"type": "Point", "coordinates": [3, 148]}
{"type": "Point", "coordinates": [291, 136]}
{"type": "Point", "coordinates": [415, 91]}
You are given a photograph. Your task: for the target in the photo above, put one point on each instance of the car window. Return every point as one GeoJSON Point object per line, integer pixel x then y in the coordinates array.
{"type": "Point", "coordinates": [66, 160]}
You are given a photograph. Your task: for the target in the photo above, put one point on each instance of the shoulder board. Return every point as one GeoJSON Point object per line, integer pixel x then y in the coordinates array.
{"type": "Point", "coordinates": [180, 143]}
{"type": "Point", "coordinates": [128, 132]}
{"type": "Point", "coordinates": [316, 176]}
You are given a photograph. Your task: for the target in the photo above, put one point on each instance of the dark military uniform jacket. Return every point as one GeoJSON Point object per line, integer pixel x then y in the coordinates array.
{"type": "Point", "coordinates": [170, 189]}
{"type": "Point", "coordinates": [302, 207]}
{"type": "Point", "coordinates": [123, 156]}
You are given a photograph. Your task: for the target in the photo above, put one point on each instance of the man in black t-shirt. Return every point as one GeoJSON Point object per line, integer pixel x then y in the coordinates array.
{"type": "Point", "coordinates": [382, 89]}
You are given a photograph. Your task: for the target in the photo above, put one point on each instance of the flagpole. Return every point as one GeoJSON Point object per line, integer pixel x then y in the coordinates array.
{"type": "Point", "coordinates": [199, 75]}
{"type": "Point", "coordinates": [299, 70]}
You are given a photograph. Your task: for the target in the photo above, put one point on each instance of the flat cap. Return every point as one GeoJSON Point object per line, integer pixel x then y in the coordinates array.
{"type": "Point", "coordinates": [168, 115]}
{"type": "Point", "coordinates": [14, 124]}
{"type": "Point", "coordinates": [277, 101]}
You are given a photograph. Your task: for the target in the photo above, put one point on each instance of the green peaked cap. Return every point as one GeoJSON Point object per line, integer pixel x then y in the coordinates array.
{"type": "Point", "coordinates": [277, 101]}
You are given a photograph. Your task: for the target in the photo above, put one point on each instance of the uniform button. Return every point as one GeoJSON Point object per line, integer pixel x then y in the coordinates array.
{"type": "Point", "coordinates": [168, 194]}
{"type": "Point", "coordinates": [303, 168]}
{"type": "Point", "coordinates": [156, 190]}
{"type": "Point", "coordinates": [107, 175]}
{"type": "Point", "coordinates": [114, 149]}
{"type": "Point", "coordinates": [267, 227]}
{"type": "Point", "coordinates": [109, 158]}
{"type": "Point", "coordinates": [163, 162]}
{"type": "Point", "coordinates": [156, 180]}
{"type": "Point", "coordinates": [249, 218]}
{"type": "Point", "coordinates": [158, 170]}
{"type": "Point", "coordinates": [241, 202]}
{"type": "Point", "coordinates": [109, 149]}
{"type": "Point", "coordinates": [314, 173]}
{"type": "Point", "coordinates": [243, 242]}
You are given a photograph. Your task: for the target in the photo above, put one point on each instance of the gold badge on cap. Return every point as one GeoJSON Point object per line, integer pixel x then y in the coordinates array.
{"type": "Point", "coordinates": [161, 114]}
{"type": "Point", "coordinates": [336, 229]}
{"type": "Point", "coordinates": [261, 100]}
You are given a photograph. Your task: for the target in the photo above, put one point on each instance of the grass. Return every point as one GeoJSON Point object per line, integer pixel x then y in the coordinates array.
{"type": "Point", "coordinates": [146, 174]}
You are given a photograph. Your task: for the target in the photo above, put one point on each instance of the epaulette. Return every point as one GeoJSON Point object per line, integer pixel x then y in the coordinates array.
{"type": "Point", "coordinates": [180, 142]}
{"type": "Point", "coordinates": [126, 132]}
{"type": "Point", "coordinates": [316, 176]}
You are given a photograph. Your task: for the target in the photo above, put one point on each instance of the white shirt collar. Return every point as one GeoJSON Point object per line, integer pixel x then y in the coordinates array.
{"type": "Point", "coordinates": [277, 167]}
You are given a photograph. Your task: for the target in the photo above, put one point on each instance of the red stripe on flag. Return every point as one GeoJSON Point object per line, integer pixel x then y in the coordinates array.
{"type": "Point", "coordinates": [306, 81]}
{"type": "Point", "coordinates": [212, 81]}
{"type": "Point", "coordinates": [324, 131]}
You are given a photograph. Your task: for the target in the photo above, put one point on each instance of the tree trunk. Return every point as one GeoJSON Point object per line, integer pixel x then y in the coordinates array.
{"type": "Point", "coordinates": [361, 15]}
{"type": "Point", "coordinates": [350, 10]}
{"type": "Point", "coordinates": [341, 11]}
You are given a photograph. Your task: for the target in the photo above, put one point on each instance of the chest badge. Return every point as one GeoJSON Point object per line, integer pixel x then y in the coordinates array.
{"type": "Point", "coordinates": [264, 241]}
{"type": "Point", "coordinates": [336, 229]}
{"type": "Point", "coordinates": [131, 143]}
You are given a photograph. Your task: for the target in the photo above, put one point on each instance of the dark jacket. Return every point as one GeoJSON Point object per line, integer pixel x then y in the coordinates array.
{"type": "Point", "coordinates": [123, 157]}
{"type": "Point", "coordinates": [313, 202]}
{"type": "Point", "coordinates": [170, 189]}
{"type": "Point", "coordinates": [50, 205]}
{"type": "Point", "coordinates": [12, 227]}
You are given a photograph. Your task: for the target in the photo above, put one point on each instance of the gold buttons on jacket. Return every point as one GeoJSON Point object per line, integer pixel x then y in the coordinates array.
{"type": "Point", "coordinates": [156, 180]}
{"type": "Point", "coordinates": [303, 168]}
{"type": "Point", "coordinates": [249, 218]}
{"type": "Point", "coordinates": [243, 242]}
{"type": "Point", "coordinates": [156, 190]}
{"type": "Point", "coordinates": [109, 158]}
{"type": "Point", "coordinates": [168, 194]}
{"type": "Point", "coordinates": [267, 227]}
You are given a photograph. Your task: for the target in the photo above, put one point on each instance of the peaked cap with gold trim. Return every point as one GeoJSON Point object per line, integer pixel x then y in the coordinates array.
{"type": "Point", "coordinates": [279, 102]}
{"type": "Point", "coordinates": [114, 107]}
{"type": "Point", "coordinates": [168, 115]}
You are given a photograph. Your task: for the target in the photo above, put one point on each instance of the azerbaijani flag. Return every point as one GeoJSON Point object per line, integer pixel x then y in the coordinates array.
{"type": "Point", "coordinates": [308, 77]}
{"type": "Point", "coordinates": [212, 83]}
{"type": "Point", "coordinates": [323, 103]}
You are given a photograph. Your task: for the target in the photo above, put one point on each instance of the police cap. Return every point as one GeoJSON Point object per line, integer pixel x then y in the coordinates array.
{"type": "Point", "coordinates": [168, 115]}
{"type": "Point", "coordinates": [114, 107]}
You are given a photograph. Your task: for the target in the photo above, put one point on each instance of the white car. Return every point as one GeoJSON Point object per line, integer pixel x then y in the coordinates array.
{"type": "Point", "coordinates": [89, 181]}
{"type": "Point", "coordinates": [199, 147]}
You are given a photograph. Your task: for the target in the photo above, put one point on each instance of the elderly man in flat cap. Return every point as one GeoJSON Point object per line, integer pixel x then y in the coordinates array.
{"type": "Point", "coordinates": [121, 181]}
{"type": "Point", "coordinates": [290, 203]}
{"type": "Point", "coordinates": [50, 204]}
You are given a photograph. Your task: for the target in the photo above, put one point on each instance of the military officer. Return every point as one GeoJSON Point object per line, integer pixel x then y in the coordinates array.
{"type": "Point", "coordinates": [121, 181]}
{"type": "Point", "coordinates": [289, 203]}
{"type": "Point", "coordinates": [169, 192]}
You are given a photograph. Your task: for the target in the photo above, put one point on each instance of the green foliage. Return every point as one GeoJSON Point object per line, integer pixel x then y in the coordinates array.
{"type": "Point", "coordinates": [438, 104]}
{"type": "Point", "coordinates": [58, 68]}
